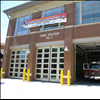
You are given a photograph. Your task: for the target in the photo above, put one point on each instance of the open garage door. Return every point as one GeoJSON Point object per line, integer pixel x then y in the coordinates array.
{"type": "Point", "coordinates": [86, 53]}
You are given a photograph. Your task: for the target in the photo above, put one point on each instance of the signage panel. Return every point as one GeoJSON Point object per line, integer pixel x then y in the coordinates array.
{"type": "Point", "coordinates": [59, 18]}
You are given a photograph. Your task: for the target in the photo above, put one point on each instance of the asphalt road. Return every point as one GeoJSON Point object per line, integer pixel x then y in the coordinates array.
{"type": "Point", "coordinates": [17, 89]}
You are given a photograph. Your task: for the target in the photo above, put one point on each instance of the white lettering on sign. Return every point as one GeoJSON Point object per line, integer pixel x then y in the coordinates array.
{"type": "Point", "coordinates": [43, 35]}
{"type": "Point", "coordinates": [47, 37]}
{"type": "Point", "coordinates": [50, 35]}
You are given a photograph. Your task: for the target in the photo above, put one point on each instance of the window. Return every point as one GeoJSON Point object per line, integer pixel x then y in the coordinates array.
{"type": "Point", "coordinates": [52, 62]}
{"type": "Point", "coordinates": [51, 26]}
{"type": "Point", "coordinates": [19, 29]}
{"type": "Point", "coordinates": [77, 13]}
{"type": "Point", "coordinates": [89, 12]}
{"type": "Point", "coordinates": [18, 62]}
{"type": "Point", "coordinates": [51, 12]}
{"type": "Point", "coordinates": [46, 27]}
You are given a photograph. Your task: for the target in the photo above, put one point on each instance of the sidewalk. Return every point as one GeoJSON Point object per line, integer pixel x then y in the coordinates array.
{"type": "Point", "coordinates": [17, 89]}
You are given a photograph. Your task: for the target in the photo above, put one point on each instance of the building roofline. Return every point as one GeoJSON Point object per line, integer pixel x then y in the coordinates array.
{"type": "Point", "coordinates": [23, 6]}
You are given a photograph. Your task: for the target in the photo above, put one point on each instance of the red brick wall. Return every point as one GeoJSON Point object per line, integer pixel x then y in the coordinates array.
{"type": "Point", "coordinates": [68, 55]}
{"type": "Point", "coordinates": [67, 35]}
{"type": "Point", "coordinates": [11, 27]}
{"type": "Point", "coordinates": [25, 39]}
{"type": "Point", "coordinates": [32, 56]}
{"type": "Point", "coordinates": [87, 31]}
{"type": "Point", "coordinates": [35, 16]}
{"type": "Point", "coordinates": [70, 9]}
{"type": "Point", "coordinates": [20, 40]}
{"type": "Point", "coordinates": [6, 58]}
{"type": "Point", "coordinates": [58, 37]}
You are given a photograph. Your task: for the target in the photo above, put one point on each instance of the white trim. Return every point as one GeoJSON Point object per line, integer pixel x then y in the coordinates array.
{"type": "Point", "coordinates": [19, 46]}
{"type": "Point", "coordinates": [50, 43]}
{"type": "Point", "coordinates": [85, 40]}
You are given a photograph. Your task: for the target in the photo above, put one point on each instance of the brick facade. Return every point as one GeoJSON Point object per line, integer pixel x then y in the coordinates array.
{"type": "Point", "coordinates": [66, 34]}
{"type": "Point", "coordinates": [70, 9]}
{"type": "Point", "coordinates": [6, 58]}
{"type": "Point", "coordinates": [2, 45]}
{"type": "Point", "coordinates": [11, 27]}
{"type": "Point", "coordinates": [87, 31]}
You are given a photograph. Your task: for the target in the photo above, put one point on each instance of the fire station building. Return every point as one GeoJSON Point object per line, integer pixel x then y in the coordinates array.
{"type": "Point", "coordinates": [49, 36]}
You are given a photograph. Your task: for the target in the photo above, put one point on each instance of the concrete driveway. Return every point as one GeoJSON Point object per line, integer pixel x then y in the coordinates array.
{"type": "Point", "coordinates": [17, 89]}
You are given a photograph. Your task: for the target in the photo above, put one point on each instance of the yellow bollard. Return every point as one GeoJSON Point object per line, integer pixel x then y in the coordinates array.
{"type": "Point", "coordinates": [28, 75]}
{"type": "Point", "coordinates": [23, 74]}
{"type": "Point", "coordinates": [68, 79]}
{"type": "Point", "coordinates": [61, 79]}
{"type": "Point", "coordinates": [1, 73]}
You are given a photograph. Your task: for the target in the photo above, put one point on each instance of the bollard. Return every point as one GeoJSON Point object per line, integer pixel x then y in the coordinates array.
{"type": "Point", "coordinates": [1, 73]}
{"type": "Point", "coordinates": [28, 75]}
{"type": "Point", "coordinates": [23, 74]}
{"type": "Point", "coordinates": [61, 79]}
{"type": "Point", "coordinates": [68, 79]}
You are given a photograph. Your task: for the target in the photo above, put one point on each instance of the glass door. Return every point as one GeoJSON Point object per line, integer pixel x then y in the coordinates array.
{"type": "Point", "coordinates": [18, 62]}
{"type": "Point", "coordinates": [49, 63]}
{"type": "Point", "coordinates": [46, 62]}
{"type": "Point", "coordinates": [57, 62]}
{"type": "Point", "coordinates": [42, 63]}
{"type": "Point", "coordinates": [54, 63]}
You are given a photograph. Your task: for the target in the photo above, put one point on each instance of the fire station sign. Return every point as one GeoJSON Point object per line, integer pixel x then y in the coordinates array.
{"type": "Point", "coordinates": [46, 20]}
{"type": "Point", "coordinates": [49, 35]}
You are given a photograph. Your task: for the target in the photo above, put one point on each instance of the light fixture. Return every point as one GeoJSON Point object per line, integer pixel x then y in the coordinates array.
{"type": "Point", "coordinates": [28, 51]}
{"type": "Point", "coordinates": [66, 48]}
{"type": "Point", "coordinates": [3, 53]}
{"type": "Point", "coordinates": [94, 62]}
{"type": "Point", "coordinates": [98, 44]}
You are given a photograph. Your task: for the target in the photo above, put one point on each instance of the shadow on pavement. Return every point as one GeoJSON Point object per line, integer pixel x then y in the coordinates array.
{"type": "Point", "coordinates": [87, 82]}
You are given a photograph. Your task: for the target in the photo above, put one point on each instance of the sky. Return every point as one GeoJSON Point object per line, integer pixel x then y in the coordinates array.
{"type": "Point", "coordinates": [4, 19]}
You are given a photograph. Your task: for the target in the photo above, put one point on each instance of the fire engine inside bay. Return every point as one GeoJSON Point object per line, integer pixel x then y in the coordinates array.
{"type": "Point", "coordinates": [86, 53]}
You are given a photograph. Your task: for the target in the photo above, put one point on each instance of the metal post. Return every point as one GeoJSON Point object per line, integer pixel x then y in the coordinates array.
{"type": "Point", "coordinates": [23, 74]}
{"type": "Point", "coordinates": [68, 80]}
{"type": "Point", "coordinates": [1, 73]}
{"type": "Point", "coordinates": [28, 75]}
{"type": "Point", "coordinates": [61, 79]}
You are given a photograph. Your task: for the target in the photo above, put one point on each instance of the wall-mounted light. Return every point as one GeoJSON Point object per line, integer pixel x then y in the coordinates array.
{"type": "Point", "coordinates": [3, 53]}
{"type": "Point", "coordinates": [66, 48]}
{"type": "Point", "coordinates": [28, 51]}
{"type": "Point", "coordinates": [98, 44]}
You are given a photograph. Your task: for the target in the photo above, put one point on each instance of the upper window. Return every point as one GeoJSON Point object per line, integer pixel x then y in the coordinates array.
{"type": "Point", "coordinates": [51, 26]}
{"type": "Point", "coordinates": [87, 12]}
{"type": "Point", "coordinates": [51, 12]}
{"type": "Point", "coordinates": [19, 29]}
